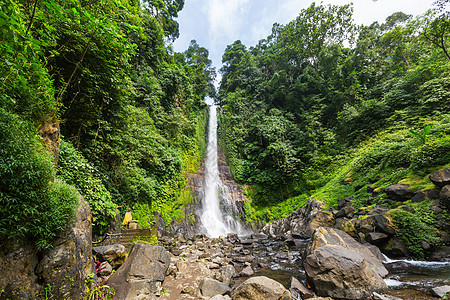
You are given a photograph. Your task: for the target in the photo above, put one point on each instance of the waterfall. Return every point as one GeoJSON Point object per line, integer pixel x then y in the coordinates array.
{"type": "Point", "coordinates": [217, 211]}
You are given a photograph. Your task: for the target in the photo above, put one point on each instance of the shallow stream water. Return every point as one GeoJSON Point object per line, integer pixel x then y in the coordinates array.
{"type": "Point", "coordinates": [407, 279]}
{"type": "Point", "coordinates": [275, 259]}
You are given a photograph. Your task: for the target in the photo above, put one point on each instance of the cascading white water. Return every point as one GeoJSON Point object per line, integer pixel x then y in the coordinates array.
{"type": "Point", "coordinates": [215, 221]}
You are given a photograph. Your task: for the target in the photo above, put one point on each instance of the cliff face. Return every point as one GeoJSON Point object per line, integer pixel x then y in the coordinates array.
{"type": "Point", "coordinates": [60, 271]}
{"type": "Point", "coordinates": [51, 137]}
{"type": "Point", "coordinates": [191, 223]}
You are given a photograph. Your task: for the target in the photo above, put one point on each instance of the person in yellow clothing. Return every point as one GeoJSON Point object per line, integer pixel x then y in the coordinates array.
{"type": "Point", "coordinates": [127, 218]}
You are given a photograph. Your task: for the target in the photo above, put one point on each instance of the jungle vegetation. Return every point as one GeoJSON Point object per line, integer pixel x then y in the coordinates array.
{"type": "Point", "coordinates": [131, 112]}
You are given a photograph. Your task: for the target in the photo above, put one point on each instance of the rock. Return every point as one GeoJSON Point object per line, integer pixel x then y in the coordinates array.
{"type": "Point", "coordinates": [432, 194]}
{"type": "Point", "coordinates": [380, 223]}
{"type": "Point", "coordinates": [104, 269]}
{"type": "Point", "coordinates": [444, 197]}
{"type": "Point", "coordinates": [377, 296]}
{"type": "Point", "coordinates": [259, 236]}
{"type": "Point", "coordinates": [247, 241]}
{"type": "Point", "coordinates": [115, 254]}
{"type": "Point", "coordinates": [17, 265]}
{"type": "Point", "coordinates": [440, 178]}
{"type": "Point", "coordinates": [425, 245]}
{"type": "Point", "coordinates": [345, 202]}
{"type": "Point", "coordinates": [51, 138]}
{"type": "Point", "coordinates": [339, 272]}
{"type": "Point", "coordinates": [376, 238]}
{"type": "Point", "coordinates": [419, 196]}
{"type": "Point", "coordinates": [142, 273]}
{"type": "Point", "coordinates": [300, 289]}
{"type": "Point", "coordinates": [247, 272]}
{"type": "Point", "coordinates": [347, 226]}
{"type": "Point", "coordinates": [228, 273]}
{"type": "Point", "coordinates": [67, 264]}
{"type": "Point", "coordinates": [209, 287]}
{"type": "Point", "coordinates": [320, 219]}
{"type": "Point", "coordinates": [328, 236]}
{"type": "Point", "coordinates": [261, 288]}
{"type": "Point", "coordinates": [395, 247]}
{"type": "Point", "coordinates": [377, 210]}
{"type": "Point", "coordinates": [220, 297]}
{"type": "Point", "coordinates": [441, 255]}
{"type": "Point", "coordinates": [302, 222]}
{"type": "Point", "coordinates": [346, 212]}
{"type": "Point", "coordinates": [440, 291]}
{"type": "Point", "coordinates": [399, 192]}
{"type": "Point", "coordinates": [338, 266]}
{"type": "Point", "coordinates": [233, 237]}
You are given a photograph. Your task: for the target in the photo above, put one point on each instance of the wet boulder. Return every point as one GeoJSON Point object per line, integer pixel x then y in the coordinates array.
{"type": "Point", "coordinates": [339, 272]}
{"type": "Point", "coordinates": [395, 247]}
{"type": "Point", "coordinates": [399, 192]}
{"type": "Point", "coordinates": [338, 266]}
{"type": "Point", "coordinates": [142, 273]}
{"type": "Point", "coordinates": [261, 288]}
{"type": "Point", "coordinates": [329, 236]}
{"type": "Point", "coordinates": [440, 178]}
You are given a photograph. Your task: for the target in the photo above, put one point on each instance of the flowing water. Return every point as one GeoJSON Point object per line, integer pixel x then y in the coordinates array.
{"type": "Point", "coordinates": [407, 279]}
{"type": "Point", "coordinates": [218, 208]}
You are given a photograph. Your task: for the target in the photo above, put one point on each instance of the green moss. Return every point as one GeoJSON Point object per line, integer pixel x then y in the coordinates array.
{"type": "Point", "coordinates": [392, 154]}
{"type": "Point", "coordinates": [417, 226]}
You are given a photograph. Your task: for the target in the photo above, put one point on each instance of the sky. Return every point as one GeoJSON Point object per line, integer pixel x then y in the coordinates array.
{"type": "Point", "coordinates": [214, 24]}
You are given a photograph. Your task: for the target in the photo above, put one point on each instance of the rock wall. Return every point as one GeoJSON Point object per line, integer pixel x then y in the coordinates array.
{"type": "Point", "coordinates": [51, 137]}
{"type": "Point", "coordinates": [191, 224]}
{"type": "Point", "coordinates": [60, 271]}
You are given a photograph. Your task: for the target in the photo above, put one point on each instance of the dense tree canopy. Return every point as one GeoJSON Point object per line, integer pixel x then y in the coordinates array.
{"type": "Point", "coordinates": [298, 102]}
{"type": "Point", "coordinates": [132, 114]}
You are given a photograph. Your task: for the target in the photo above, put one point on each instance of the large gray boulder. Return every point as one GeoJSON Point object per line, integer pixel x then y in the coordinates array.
{"type": "Point", "coordinates": [67, 264]}
{"type": "Point", "coordinates": [337, 266]}
{"type": "Point", "coordinates": [210, 287]}
{"type": "Point", "coordinates": [25, 272]}
{"type": "Point", "coordinates": [261, 288]}
{"type": "Point", "coordinates": [142, 274]}
{"type": "Point", "coordinates": [440, 178]}
{"type": "Point", "coordinates": [329, 236]}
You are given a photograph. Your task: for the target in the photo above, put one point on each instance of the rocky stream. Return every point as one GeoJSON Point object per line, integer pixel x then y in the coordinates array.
{"type": "Point", "coordinates": [314, 253]}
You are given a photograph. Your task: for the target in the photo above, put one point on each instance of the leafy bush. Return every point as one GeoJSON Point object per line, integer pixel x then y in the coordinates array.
{"type": "Point", "coordinates": [416, 227]}
{"type": "Point", "coordinates": [74, 169]}
{"type": "Point", "coordinates": [31, 205]}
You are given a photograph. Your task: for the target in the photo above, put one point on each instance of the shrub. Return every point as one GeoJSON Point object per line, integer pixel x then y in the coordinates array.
{"type": "Point", "coordinates": [416, 227]}
{"type": "Point", "coordinates": [74, 169]}
{"type": "Point", "coordinates": [31, 205]}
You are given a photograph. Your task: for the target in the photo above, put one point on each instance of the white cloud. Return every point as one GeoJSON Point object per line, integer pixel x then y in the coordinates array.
{"type": "Point", "coordinates": [225, 18]}
{"type": "Point", "coordinates": [218, 23]}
